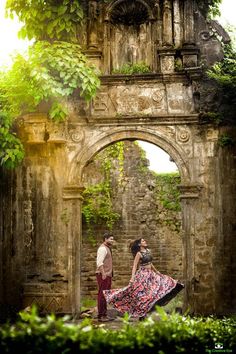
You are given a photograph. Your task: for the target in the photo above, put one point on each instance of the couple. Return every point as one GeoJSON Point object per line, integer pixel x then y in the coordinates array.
{"type": "Point", "coordinates": [147, 287]}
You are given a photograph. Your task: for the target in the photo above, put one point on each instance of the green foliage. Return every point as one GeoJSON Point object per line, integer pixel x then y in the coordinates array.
{"type": "Point", "coordinates": [168, 194]}
{"type": "Point", "coordinates": [168, 191]}
{"type": "Point", "coordinates": [11, 148]}
{"type": "Point", "coordinates": [51, 72]}
{"type": "Point", "coordinates": [97, 205]}
{"type": "Point", "coordinates": [130, 69]}
{"type": "Point", "coordinates": [226, 140]}
{"type": "Point", "coordinates": [45, 20]}
{"type": "Point", "coordinates": [224, 73]}
{"type": "Point", "coordinates": [169, 334]}
{"type": "Point", "coordinates": [210, 7]}
{"type": "Point", "coordinates": [213, 117]}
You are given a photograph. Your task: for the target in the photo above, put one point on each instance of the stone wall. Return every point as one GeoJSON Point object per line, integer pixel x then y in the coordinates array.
{"type": "Point", "coordinates": [140, 197]}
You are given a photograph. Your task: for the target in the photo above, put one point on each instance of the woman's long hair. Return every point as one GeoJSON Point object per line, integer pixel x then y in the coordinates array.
{"type": "Point", "coordinates": [135, 247]}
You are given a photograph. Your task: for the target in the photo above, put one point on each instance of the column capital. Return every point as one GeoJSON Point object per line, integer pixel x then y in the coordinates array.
{"type": "Point", "coordinates": [190, 191]}
{"type": "Point", "coordinates": [72, 192]}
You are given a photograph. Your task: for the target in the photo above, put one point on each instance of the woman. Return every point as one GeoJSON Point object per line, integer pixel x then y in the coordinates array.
{"type": "Point", "coordinates": [147, 286]}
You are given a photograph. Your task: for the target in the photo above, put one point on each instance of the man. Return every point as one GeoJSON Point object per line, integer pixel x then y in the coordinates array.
{"type": "Point", "coordinates": [104, 274]}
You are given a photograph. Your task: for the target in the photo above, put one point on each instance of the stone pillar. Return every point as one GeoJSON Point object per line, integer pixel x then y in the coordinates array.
{"type": "Point", "coordinates": [159, 23]}
{"type": "Point", "coordinates": [92, 24]}
{"type": "Point", "coordinates": [189, 195]}
{"type": "Point", "coordinates": [167, 61]}
{"type": "Point", "coordinates": [72, 196]}
{"type": "Point", "coordinates": [107, 48]}
{"type": "Point", "coordinates": [188, 23]}
{"type": "Point", "coordinates": [177, 24]}
{"type": "Point", "coordinates": [167, 24]}
{"type": "Point", "coordinates": [93, 53]}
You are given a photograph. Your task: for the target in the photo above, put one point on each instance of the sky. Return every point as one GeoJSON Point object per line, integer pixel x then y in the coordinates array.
{"type": "Point", "coordinates": [9, 43]}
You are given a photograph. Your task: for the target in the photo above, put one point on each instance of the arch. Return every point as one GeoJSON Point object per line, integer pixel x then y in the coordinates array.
{"type": "Point", "coordinates": [114, 3]}
{"type": "Point", "coordinates": [83, 156]}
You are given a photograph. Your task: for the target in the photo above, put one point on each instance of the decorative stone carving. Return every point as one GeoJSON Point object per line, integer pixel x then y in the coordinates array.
{"type": "Point", "coordinates": [77, 135]}
{"type": "Point", "coordinates": [47, 302]}
{"type": "Point", "coordinates": [183, 135]}
{"type": "Point", "coordinates": [100, 103]}
{"type": "Point", "coordinates": [205, 35]}
{"type": "Point", "coordinates": [167, 64]}
{"type": "Point", "coordinates": [57, 132]}
{"type": "Point", "coordinates": [35, 133]}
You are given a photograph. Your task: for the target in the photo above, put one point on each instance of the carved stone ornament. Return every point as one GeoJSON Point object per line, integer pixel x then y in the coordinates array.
{"type": "Point", "coordinates": [76, 135]}
{"type": "Point", "coordinates": [183, 136]}
{"type": "Point", "coordinates": [129, 13]}
{"type": "Point", "coordinates": [205, 35]}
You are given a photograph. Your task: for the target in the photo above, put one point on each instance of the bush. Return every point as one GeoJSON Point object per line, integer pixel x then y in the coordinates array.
{"type": "Point", "coordinates": [167, 334]}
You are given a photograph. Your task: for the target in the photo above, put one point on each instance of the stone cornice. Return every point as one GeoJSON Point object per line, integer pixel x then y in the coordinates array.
{"type": "Point", "coordinates": [190, 191]}
{"type": "Point", "coordinates": [143, 78]}
{"type": "Point", "coordinates": [144, 119]}
{"type": "Point", "coordinates": [72, 192]}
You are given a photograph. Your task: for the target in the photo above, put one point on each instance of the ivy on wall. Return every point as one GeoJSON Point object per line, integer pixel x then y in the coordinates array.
{"type": "Point", "coordinates": [167, 194]}
{"type": "Point", "coordinates": [97, 204]}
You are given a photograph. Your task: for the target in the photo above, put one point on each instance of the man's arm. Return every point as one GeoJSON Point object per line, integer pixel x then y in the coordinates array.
{"type": "Point", "coordinates": [135, 265]}
{"type": "Point", "coordinates": [101, 254]}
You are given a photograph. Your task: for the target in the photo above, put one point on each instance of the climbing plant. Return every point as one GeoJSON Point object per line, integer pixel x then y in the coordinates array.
{"type": "Point", "coordinates": [224, 74]}
{"type": "Point", "coordinates": [52, 70]}
{"type": "Point", "coordinates": [168, 194]}
{"type": "Point", "coordinates": [98, 204]}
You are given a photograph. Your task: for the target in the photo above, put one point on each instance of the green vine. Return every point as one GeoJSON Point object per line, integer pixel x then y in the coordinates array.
{"type": "Point", "coordinates": [97, 206]}
{"type": "Point", "coordinates": [224, 74]}
{"type": "Point", "coordinates": [226, 140]}
{"type": "Point", "coordinates": [168, 194]}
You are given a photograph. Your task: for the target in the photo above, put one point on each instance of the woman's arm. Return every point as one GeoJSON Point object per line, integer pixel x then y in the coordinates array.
{"type": "Point", "coordinates": [135, 265]}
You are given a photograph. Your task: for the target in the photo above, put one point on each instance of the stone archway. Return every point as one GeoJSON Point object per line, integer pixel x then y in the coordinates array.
{"type": "Point", "coordinates": [189, 193]}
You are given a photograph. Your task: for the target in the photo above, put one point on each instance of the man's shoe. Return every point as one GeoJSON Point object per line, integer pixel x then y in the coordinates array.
{"type": "Point", "coordinates": [105, 319]}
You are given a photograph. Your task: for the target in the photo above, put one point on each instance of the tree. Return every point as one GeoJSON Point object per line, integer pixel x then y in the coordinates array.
{"type": "Point", "coordinates": [52, 70]}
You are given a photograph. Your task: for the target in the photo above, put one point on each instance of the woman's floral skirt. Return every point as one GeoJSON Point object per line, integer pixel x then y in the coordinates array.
{"type": "Point", "coordinates": [147, 290]}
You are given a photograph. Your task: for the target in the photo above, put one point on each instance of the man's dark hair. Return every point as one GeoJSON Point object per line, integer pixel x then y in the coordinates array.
{"type": "Point", "coordinates": [107, 234]}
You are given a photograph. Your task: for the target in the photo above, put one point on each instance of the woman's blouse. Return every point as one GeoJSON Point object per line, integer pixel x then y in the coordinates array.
{"type": "Point", "coordinates": [146, 257]}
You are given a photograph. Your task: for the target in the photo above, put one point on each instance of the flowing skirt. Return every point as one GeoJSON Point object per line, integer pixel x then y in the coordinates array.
{"type": "Point", "coordinates": [147, 290]}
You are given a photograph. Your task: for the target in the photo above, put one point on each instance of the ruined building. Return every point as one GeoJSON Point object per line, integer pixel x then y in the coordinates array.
{"type": "Point", "coordinates": [40, 219]}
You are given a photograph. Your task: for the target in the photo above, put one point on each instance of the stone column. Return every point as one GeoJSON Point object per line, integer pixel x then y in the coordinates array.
{"type": "Point", "coordinates": [107, 47]}
{"type": "Point", "coordinates": [189, 195]}
{"type": "Point", "coordinates": [177, 23]}
{"type": "Point", "coordinates": [72, 196]}
{"type": "Point", "coordinates": [93, 52]}
{"type": "Point", "coordinates": [167, 24]}
{"type": "Point", "coordinates": [188, 23]}
{"type": "Point", "coordinates": [93, 24]}
{"type": "Point", "coordinates": [159, 23]}
{"type": "Point", "coordinates": [189, 52]}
